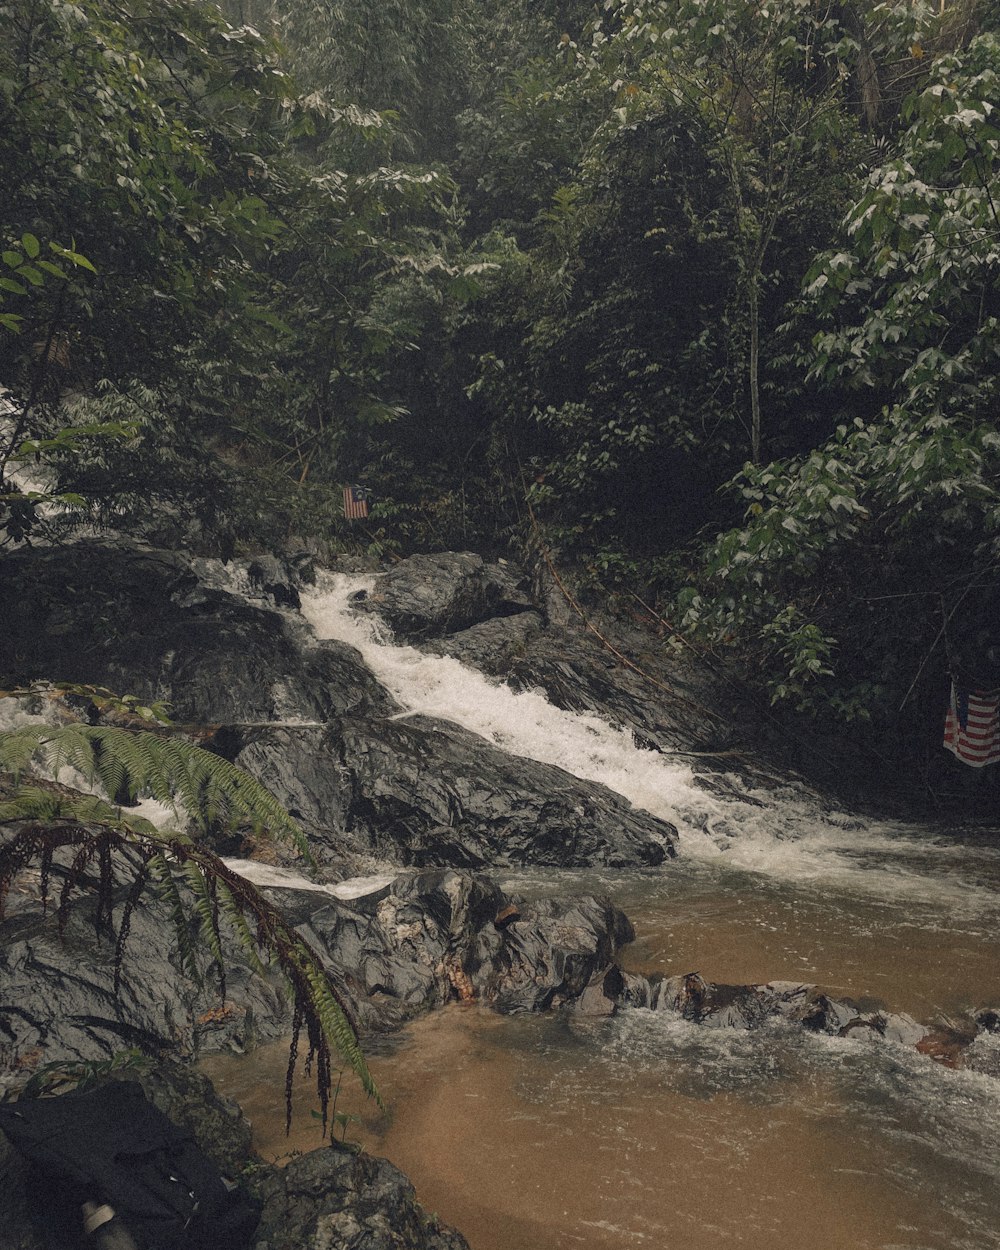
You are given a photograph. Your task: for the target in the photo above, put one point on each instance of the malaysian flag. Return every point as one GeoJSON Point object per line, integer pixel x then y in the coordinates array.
{"type": "Point", "coordinates": [355, 503]}
{"type": "Point", "coordinates": [972, 726]}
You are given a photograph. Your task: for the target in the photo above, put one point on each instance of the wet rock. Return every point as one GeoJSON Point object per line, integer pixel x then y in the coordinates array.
{"type": "Point", "coordinates": [432, 595]}
{"type": "Point", "coordinates": [146, 622]}
{"type": "Point", "coordinates": [441, 795]}
{"type": "Point", "coordinates": [401, 949]}
{"type": "Point", "coordinates": [58, 999]}
{"type": "Point", "coordinates": [493, 647]}
{"type": "Point", "coordinates": [724, 1006]}
{"type": "Point", "coordinates": [434, 937]}
{"type": "Point", "coordinates": [424, 793]}
{"type": "Point", "coordinates": [749, 1006]}
{"type": "Point", "coordinates": [275, 579]}
{"type": "Point", "coordinates": [550, 954]}
{"type": "Point", "coordinates": [988, 1019]}
{"type": "Point", "coordinates": [668, 705]}
{"type": "Point", "coordinates": [303, 767]}
{"type": "Point", "coordinates": [336, 1198]}
{"type": "Point", "coordinates": [603, 994]}
{"type": "Point", "coordinates": [189, 1099]}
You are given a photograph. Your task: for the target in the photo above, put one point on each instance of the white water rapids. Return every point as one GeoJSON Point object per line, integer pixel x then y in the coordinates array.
{"type": "Point", "coordinates": [785, 834]}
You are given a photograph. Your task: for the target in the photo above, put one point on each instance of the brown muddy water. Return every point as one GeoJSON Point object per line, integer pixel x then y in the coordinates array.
{"type": "Point", "coordinates": [535, 1133]}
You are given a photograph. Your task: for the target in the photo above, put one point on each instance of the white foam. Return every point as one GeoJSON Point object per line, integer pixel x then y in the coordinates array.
{"type": "Point", "coordinates": [271, 874]}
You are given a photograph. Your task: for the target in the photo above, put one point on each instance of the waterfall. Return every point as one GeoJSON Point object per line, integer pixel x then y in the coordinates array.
{"type": "Point", "coordinates": [786, 832]}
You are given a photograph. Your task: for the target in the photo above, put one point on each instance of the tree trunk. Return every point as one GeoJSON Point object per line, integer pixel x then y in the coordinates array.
{"type": "Point", "coordinates": [754, 308]}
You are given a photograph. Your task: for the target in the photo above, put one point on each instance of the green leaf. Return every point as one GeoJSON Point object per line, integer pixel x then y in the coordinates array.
{"type": "Point", "coordinates": [32, 274]}
{"type": "Point", "coordinates": [74, 257]}
{"type": "Point", "coordinates": [8, 284]}
{"type": "Point", "coordinates": [13, 259]}
{"type": "Point", "coordinates": [30, 245]}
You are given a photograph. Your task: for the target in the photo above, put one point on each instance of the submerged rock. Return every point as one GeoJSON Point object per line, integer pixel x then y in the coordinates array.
{"type": "Point", "coordinates": [720, 1006]}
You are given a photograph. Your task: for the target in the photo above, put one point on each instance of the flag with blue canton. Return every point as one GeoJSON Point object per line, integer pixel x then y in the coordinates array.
{"type": "Point", "coordinates": [356, 503]}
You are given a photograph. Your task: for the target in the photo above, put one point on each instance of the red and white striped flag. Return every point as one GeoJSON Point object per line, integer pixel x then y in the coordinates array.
{"type": "Point", "coordinates": [355, 503]}
{"type": "Point", "coordinates": [972, 726]}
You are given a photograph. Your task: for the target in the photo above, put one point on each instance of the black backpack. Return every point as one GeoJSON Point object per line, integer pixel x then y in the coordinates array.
{"type": "Point", "coordinates": [110, 1145]}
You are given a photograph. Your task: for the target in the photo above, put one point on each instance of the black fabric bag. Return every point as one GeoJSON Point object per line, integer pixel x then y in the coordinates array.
{"type": "Point", "coordinates": [111, 1145]}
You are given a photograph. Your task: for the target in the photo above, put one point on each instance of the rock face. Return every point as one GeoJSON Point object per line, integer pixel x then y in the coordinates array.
{"type": "Point", "coordinates": [444, 795]}
{"type": "Point", "coordinates": [58, 999]}
{"type": "Point", "coordinates": [430, 595]}
{"type": "Point", "coordinates": [158, 625]}
{"type": "Point", "coordinates": [427, 938]}
{"type": "Point", "coordinates": [440, 935]}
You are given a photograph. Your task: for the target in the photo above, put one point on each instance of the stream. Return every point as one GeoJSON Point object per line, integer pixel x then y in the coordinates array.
{"type": "Point", "coordinates": [545, 1133]}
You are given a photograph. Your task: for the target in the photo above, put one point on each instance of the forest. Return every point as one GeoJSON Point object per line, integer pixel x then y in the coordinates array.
{"type": "Point", "coordinates": [700, 296]}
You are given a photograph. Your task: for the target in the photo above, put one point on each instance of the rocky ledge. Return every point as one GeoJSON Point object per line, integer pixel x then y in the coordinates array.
{"type": "Point", "coordinates": [246, 676]}
{"type": "Point", "coordinates": [414, 943]}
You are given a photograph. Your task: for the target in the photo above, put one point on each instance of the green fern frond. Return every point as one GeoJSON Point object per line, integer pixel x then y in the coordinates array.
{"type": "Point", "coordinates": [167, 768]}
{"type": "Point", "coordinates": [335, 1023]}
{"type": "Point", "coordinates": [205, 911]}
{"type": "Point", "coordinates": [18, 750]}
{"type": "Point", "coordinates": [31, 803]}
{"type": "Point", "coordinates": [162, 871]}
{"type": "Point", "coordinates": [240, 927]}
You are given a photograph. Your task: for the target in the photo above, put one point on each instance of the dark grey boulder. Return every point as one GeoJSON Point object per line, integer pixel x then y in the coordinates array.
{"type": "Point", "coordinates": [152, 623]}
{"type": "Point", "coordinates": [439, 935]}
{"type": "Point", "coordinates": [427, 596]}
{"type": "Point", "coordinates": [303, 767]}
{"type": "Point", "coordinates": [275, 578]}
{"type": "Point", "coordinates": [418, 791]}
{"type": "Point", "coordinates": [493, 647]}
{"type": "Point", "coordinates": [58, 999]}
{"type": "Point", "coordinates": [442, 795]}
{"type": "Point", "coordinates": [334, 1199]}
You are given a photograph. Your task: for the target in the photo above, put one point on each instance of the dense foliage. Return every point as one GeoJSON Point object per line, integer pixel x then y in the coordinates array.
{"type": "Point", "coordinates": [703, 292]}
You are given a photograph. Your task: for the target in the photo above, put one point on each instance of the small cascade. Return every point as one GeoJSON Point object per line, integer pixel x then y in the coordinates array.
{"type": "Point", "coordinates": [785, 833]}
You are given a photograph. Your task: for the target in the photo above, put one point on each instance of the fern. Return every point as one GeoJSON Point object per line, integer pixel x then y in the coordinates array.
{"type": "Point", "coordinates": [209, 788]}
{"type": "Point", "coordinates": [198, 890]}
